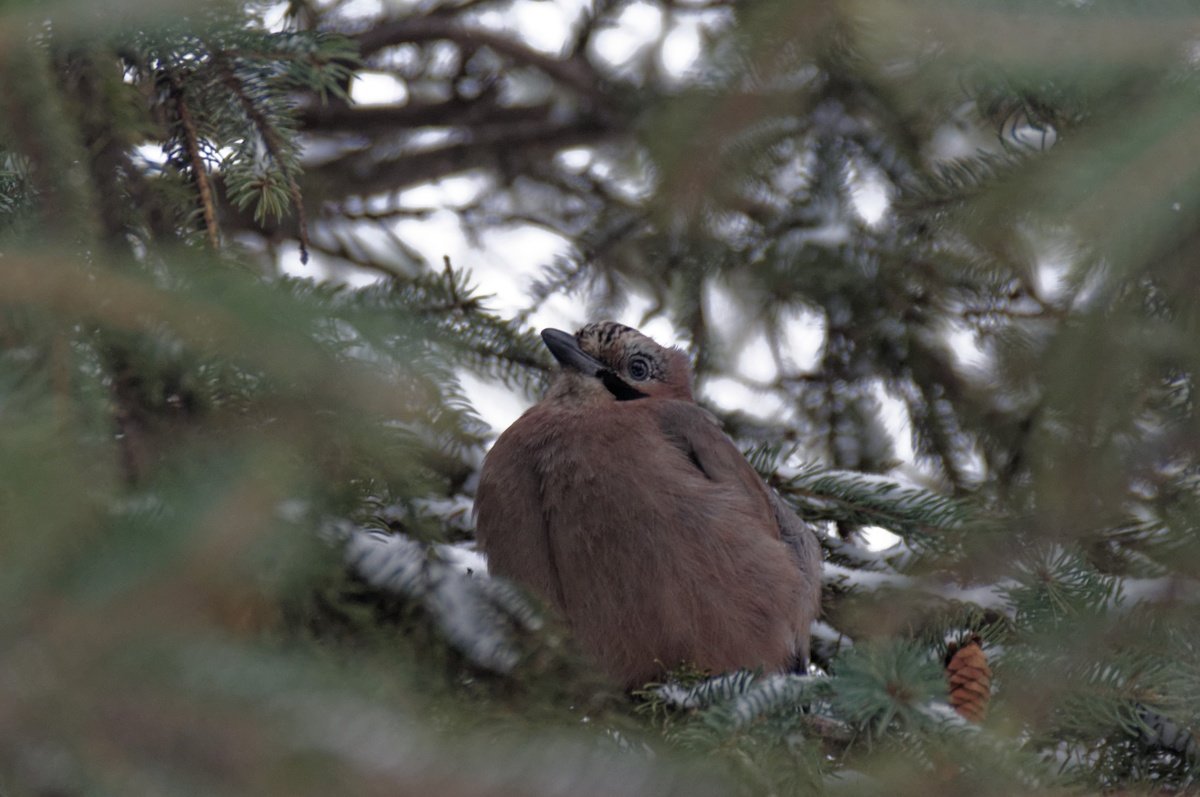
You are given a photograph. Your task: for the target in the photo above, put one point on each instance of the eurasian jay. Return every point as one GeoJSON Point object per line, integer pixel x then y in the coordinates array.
{"type": "Point", "coordinates": [619, 501]}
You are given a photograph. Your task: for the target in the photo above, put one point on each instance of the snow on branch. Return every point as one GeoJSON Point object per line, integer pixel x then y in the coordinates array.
{"type": "Point", "coordinates": [771, 694]}
{"type": "Point", "coordinates": [708, 692]}
{"type": "Point", "coordinates": [474, 612]}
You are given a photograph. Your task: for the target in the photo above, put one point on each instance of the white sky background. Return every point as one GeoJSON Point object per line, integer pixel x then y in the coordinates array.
{"type": "Point", "coordinates": [509, 260]}
{"type": "Point", "coordinates": [506, 262]}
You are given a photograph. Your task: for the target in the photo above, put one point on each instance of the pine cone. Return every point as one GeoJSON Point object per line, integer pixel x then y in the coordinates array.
{"type": "Point", "coordinates": [970, 680]}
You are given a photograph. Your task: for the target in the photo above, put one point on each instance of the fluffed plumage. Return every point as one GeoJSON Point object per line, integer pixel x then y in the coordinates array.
{"type": "Point", "coordinates": [621, 502]}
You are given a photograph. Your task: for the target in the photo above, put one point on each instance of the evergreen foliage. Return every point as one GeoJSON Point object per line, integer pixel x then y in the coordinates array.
{"type": "Point", "coordinates": [235, 503]}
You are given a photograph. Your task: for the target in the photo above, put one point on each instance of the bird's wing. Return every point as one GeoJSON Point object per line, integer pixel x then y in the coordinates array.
{"type": "Point", "coordinates": [805, 549]}
{"type": "Point", "coordinates": [509, 523]}
{"type": "Point", "coordinates": [698, 434]}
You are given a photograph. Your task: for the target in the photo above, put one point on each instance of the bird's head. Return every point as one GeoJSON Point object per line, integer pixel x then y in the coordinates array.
{"type": "Point", "coordinates": [610, 361]}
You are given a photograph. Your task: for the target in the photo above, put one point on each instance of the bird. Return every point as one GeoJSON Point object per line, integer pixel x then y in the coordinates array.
{"type": "Point", "coordinates": [621, 503]}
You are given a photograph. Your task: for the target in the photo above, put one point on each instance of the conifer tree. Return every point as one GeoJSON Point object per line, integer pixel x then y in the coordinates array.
{"type": "Point", "coordinates": [235, 503]}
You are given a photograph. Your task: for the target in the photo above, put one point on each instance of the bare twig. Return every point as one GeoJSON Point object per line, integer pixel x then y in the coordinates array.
{"type": "Point", "coordinates": [451, 113]}
{"type": "Point", "coordinates": [363, 173]}
{"type": "Point", "coordinates": [573, 72]}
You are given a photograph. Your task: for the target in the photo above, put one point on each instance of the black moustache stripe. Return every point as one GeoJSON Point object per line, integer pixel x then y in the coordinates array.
{"type": "Point", "coordinates": [619, 387]}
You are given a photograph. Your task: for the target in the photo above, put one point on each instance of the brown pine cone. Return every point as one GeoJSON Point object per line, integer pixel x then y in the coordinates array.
{"type": "Point", "coordinates": [970, 680]}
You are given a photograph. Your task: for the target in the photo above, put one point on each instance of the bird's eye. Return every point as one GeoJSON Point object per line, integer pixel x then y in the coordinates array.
{"type": "Point", "coordinates": [639, 369]}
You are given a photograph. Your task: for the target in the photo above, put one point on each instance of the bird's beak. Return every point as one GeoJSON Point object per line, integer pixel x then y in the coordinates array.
{"type": "Point", "coordinates": [566, 350]}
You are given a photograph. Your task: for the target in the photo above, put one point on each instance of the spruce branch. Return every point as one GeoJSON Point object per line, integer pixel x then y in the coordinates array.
{"type": "Point", "coordinates": [709, 691]}
{"type": "Point", "coordinates": [199, 171]}
{"type": "Point", "coordinates": [885, 687]}
{"type": "Point", "coordinates": [862, 499]}
{"type": "Point", "coordinates": [36, 127]}
{"type": "Point", "coordinates": [276, 149]}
